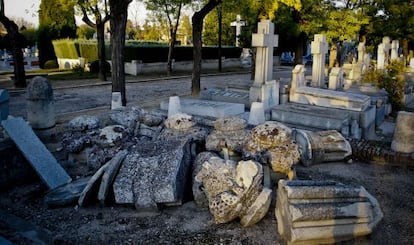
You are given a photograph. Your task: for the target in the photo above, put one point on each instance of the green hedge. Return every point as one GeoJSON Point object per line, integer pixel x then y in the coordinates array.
{"type": "Point", "coordinates": [151, 54]}
{"type": "Point", "coordinates": [65, 48]}
{"type": "Point", "coordinates": [147, 51]}
{"type": "Point", "coordinates": [88, 49]}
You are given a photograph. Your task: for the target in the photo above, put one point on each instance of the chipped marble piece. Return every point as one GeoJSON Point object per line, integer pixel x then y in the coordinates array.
{"type": "Point", "coordinates": [229, 133]}
{"type": "Point", "coordinates": [83, 123]}
{"type": "Point", "coordinates": [180, 121]}
{"type": "Point", "coordinates": [271, 142]}
{"type": "Point", "coordinates": [233, 189]}
{"type": "Point", "coordinates": [112, 133]}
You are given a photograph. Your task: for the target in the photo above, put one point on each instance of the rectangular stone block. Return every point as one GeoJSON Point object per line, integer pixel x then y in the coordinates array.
{"type": "Point", "coordinates": [321, 212]}
{"type": "Point", "coordinates": [45, 164]}
{"type": "Point", "coordinates": [208, 108]}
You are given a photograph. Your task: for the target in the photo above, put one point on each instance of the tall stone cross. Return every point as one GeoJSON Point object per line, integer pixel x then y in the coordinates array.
{"type": "Point", "coordinates": [264, 41]}
{"type": "Point", "coordinates": [238, 24]}
{"type": "Point", "coordinates": [319, 48]}
{"type": "Point", "coordinates": [264, 89]}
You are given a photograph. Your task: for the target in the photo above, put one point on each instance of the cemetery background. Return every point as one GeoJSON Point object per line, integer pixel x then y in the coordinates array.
{"type": "Point", "coordinates": [392, 186]}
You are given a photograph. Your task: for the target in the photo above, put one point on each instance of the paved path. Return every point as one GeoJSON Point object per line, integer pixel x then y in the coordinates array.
{"type": "Point", "coordinates": [73, 97]}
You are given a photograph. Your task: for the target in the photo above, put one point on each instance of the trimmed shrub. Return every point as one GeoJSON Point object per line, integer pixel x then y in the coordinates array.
{"type": "Point", "coordinates": [65, 48]}
{"type": "Point", "coordinates": [88, 49]}
{"type": "Point", "coordinates": [51, 64]}
{"type": "Point", "coordinates": [94, 68]}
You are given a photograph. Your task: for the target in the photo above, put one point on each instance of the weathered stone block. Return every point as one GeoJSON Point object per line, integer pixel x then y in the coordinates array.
{"type": "Point", "coordinates": [403, 140]}
{"type": "Point", "coordinates": [319, 212]}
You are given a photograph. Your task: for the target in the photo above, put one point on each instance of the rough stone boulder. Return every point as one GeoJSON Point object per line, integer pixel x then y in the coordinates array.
{"type": "Point", "coordinates": [271, 142]}
{"type": "Point", "coordinates": [229, 135]}
{"type": "Point", "coordinates": [234, 190]}
{"type": "Point", "coordinates": [321, 212]}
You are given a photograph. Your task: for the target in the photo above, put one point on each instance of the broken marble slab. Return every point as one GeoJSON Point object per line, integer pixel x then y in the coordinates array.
{"type": "Point", "coordinates": [45, 164]}
{"type": "Point", "coordinates": [102, 180]}
{"type": "Point", "coordinates": [67, 194]}
{"type": "Point", "coordinates": [322, 146]}
{"type": "Point", "coordinates": [155, 172]}
{"type": "Point", "coordinates": [320, 212]}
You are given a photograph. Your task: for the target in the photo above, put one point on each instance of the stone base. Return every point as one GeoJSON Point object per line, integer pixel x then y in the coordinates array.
{"type": "Point", "coordinates": [313, 117]}
{"type": "Point", "coordinates": [208, 108]}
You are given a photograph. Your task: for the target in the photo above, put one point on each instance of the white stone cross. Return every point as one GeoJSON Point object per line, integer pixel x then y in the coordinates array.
{"type": "Point", "coordinates": [319, 48]}
{"type": "Point", "coordinates": [264, 41]}
{"type": "Point", "coordinates": [238, 24]}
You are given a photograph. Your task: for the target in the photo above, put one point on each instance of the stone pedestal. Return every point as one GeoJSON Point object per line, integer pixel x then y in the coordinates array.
{"type": "Point", "coordinates": [174, 106]}
{"type": "Point", "coordinates": [40, 104]}
{"type": "Point", "coordinates": [116, 101]}
{"type": "Point", "coordinates": [321, 212]}
{"type": "Point", "coordinates": [336, 79]}
{"type": "Point", "coordinates": [404, 133]}
{"type": "Point", "coordinates": [4, 104]}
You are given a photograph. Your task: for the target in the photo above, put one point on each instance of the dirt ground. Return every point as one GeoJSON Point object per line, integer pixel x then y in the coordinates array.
{"type": "Point", "coordinates": [187, 224]}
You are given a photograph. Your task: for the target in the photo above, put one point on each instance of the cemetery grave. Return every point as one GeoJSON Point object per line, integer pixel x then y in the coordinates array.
{"type": "Point", "coordinates": [198, 172]}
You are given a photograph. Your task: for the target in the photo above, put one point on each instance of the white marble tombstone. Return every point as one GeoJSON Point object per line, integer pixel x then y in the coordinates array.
{"type": "Point", "coordinates": [395, 45]}
{"type": "Point", "coordinates": [319, 48]}
{"type": "Point", "coordinates": [264, 89]}
{"type": "Point", "coordinates": [361, 52]}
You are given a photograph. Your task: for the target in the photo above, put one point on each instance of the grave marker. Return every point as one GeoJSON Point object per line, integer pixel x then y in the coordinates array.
{"type": "Point", "coordinates": [319, 48]}
{"type": "Point", "coordinates": [238, 24]}
{"type": "Point", "coordinates": [45, 164]}
{"type": "Point", "coordinates": [264, 89]}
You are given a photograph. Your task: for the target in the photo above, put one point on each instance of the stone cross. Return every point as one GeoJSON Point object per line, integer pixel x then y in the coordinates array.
{"type": "Point", "coordinates": [319, 48]}
{"type": "Point", "coordinates": [395, 45]}
{"type": "Point", "coordinates": [238, 24]}
{"type": "Point", "coordinates": [264, 41]}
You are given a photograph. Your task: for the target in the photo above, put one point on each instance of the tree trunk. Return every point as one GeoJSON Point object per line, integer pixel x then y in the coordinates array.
{"type": "Point", "coordinates": [100, 36]}
{"type": "Point", "coordinates": [405, 49]}
{"type": "Point", "coordinates": [119, 15]}
{"type": "Point", "coordinates": [170, 52]}
{"type": "Point", "coordinates": [299, 50]}
{"type": "Point", "coordinates": [198, 19]}
{"type": "Point", "coordinates": [16, 40]}
{"type": "Point", "coordinates": [220, 29]}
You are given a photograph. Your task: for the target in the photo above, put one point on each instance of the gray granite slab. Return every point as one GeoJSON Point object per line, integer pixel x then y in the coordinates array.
{"type": "Point", "coordinates": [45, 164]}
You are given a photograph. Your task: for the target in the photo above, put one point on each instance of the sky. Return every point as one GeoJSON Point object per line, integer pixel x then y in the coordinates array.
{"type": "Point", "coordinates": [27, 9]}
